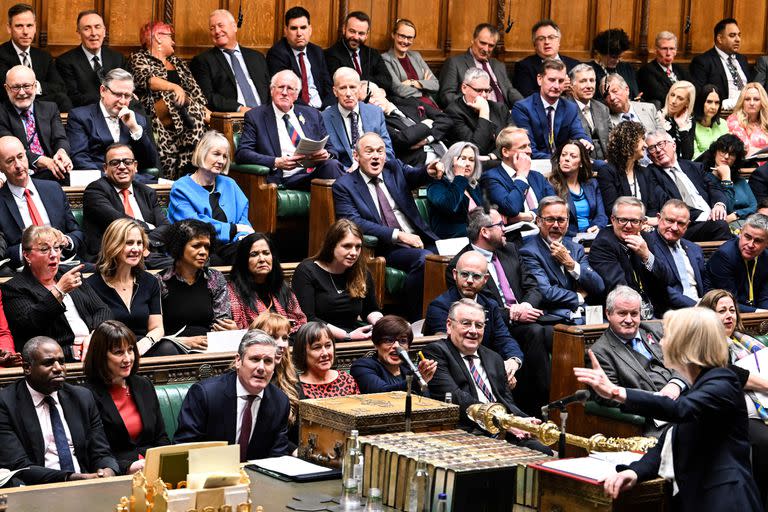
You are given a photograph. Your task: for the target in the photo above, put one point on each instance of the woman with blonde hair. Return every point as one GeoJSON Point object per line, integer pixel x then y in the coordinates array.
{"type": "Point", "coordinates": [411, 76]}
{"type": "Point", "coordinates": [749, 120]}
{"type": "Point", "coordinates": [705, 452]}
{"type": "Point", "coordinates": [677, 117]}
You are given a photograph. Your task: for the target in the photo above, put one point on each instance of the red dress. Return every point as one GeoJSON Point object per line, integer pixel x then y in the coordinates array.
{"type": "Point", "coordinates": [126, 406]}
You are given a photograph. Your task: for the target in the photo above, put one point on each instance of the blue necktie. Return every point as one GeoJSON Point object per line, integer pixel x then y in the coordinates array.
{"type": "Point", "coordinates": [60, 436]}
{"type": "Point", "coordinates": [639, 347]}
{"type": "Point", "coordinates": [242, 80]}
{"type": "Point", "coordinates": [679, 257]}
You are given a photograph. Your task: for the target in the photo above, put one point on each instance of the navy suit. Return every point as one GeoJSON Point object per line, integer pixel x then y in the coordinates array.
{"type": "Point", "coordinates": [527, 70]}
{"type": "Point", "coordinates": [260, 144]}
{"type": "Point", "coordinates": [373, 377]}
{"type": "Point", "coordinates": [597, 216]}
{"type": "Point", "coordinates": [726, 269]}
{"type": "Point", "coordinates": [557, 285]}
{"type": "Point", "coordinates": [529, 114]}
{"type": "Point", "coordinates": [372, 119]}
{"type": "Point", "coordinates": [509, 194]}
{"type": "Point", "coordinates": [660, 248]}
{"type": "Point", "coordinates": [213, 73]}
{"type": "Point", "coordinates": [707, 68]}
{"type": "Point", "coordinates": [89, 138]}
{"type": "Point", "coordinates": [209, 413]}
{"type": "Point", "coordinates": [281, 57]}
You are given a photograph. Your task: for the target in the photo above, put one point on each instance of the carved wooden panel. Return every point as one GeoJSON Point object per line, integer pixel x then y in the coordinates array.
{"type": "Point", "coordinates": [523, 15]}
{"type": "Point", "coordinates": [262, 23]}
{"type": "Point", "coordinates": [62, 21]}
{"type": "Point", "coordinates": [463, 17]}
{"type": "Point", "coordinates": [751, 17]}
{"type": "Point", "coordinates": [576, 22]}
{"type": "Point", "coordinates": [428, 35]}
{"type": "Point", "coordinates": [193, 17]}
{"type": "Point", "coordinates": [704, 15]}
{"type": "Point", "coordinates": [666, 16]}
{"type": "Point", "coordinates": [124, 19]}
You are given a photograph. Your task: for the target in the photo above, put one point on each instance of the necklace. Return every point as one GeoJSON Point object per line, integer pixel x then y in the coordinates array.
{"type": "Point", "coordinates": [333, 283]}
{"type": "Point", "coordinates": [123, 287]}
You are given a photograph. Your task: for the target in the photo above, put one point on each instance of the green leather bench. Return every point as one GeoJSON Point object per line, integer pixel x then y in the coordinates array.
{"type": "Point", "coordinates": [171, 397]}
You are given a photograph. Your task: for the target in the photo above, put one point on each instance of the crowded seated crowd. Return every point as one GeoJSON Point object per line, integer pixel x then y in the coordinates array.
{"type": "Point", "coordinates": [564, 186]}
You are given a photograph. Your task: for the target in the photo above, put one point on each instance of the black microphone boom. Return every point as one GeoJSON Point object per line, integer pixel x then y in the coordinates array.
{"type": "Point", "coordinates": [580, 396]}
{"type": "Point", "coordinates": [407, 360]}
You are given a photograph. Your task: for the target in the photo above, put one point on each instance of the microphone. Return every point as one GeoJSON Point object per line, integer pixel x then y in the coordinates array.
{"type": "Point", "coordinates": [407, 360]}
{"type": "Point", "coordinates": [580, 396]}
{"type": "Point", "coordinates": [240, 15]}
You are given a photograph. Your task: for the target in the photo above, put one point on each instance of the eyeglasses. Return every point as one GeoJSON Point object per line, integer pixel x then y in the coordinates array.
{"type": "Point", "coordinates": [552, 220]}
{"type": "Point", "coordinates": [624, 221]}
{"type": "Point", "coordinates": [658, 147]}
{"type": "Point", "coordinates": [389, 341]}
{"type": "Point", "coordinates": [499, 224]}
{"type": "Point", "coordinates": [550, 38]}
{"type": "Point", "coordinates": [122, 95]}
{"type": "Point", "coordinates": [467, 324]}
{"type": "Point", "coordinates": [480, 91]}
{"type": "Point", "coordinates": [46, 249]}
{"type": "Point", "coordinates": [19, 87]}
{"type": "Point", "coordinates": [466, 274]}
{"type": "Point", "coordinates": [405, 37]}
{"type": "Point", "coordinates": [115, 162]}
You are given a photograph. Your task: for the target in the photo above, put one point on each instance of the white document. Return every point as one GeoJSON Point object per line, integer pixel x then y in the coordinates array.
{"type": "Point", "coordinates": [757, 363]}
{"type": "Point", "coordinates": [526, 228]}
{"type": "Point", "coordinates": [7, 474]}
{"type": "Point", "coordinates": [543, 165]}
{"type": "Point", "coordinates": [584, 236]}
{"type": "Point", "coordinates": [594, 315]}
{"type": "Point", "coordinates": [451, 246]}
{"type": "Point", "coordinates": [625, 457]}
{"type": "Point", "coordinates": [225, 341]}
{"type": "Point", "coordinates": [586, 467]}
{"type": "Point", "coordinates": [309, 146]}
{"type": "Point", "coordinates": [82, 178]}
{"type": "Point", "coordinates": [288, 466]}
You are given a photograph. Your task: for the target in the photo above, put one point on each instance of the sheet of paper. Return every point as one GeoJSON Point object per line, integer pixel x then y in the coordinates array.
{"type": "Point", "coordinates": [309, 146]}
{"type": "Point", "coordinates": [451, 246]}
{"type": "Point", "coordinates": [757, 363]}
{"type": "Point", "coordinates": [587, 467]}
{"type": "Point", "coordinates": [225, 341]}
{"type": "Point", "coordinates": [543, 165]}
{"type": "Point", "coordinates": [625, 457]}
{"type": "Point", "coordinates": [584, 236]}
{"type": "Point", "coordinates": [81, 178]}
{"type": "Point", "coordinates": [218, 459]}
{"type": "Point", "coordinates": [594, 315]}
{"type": "Point", "coordinates": [289, 466]}
{"type": "Point", "coordinates": [7, 474]}
{"type": "Point", "coordinates": [526, 228]}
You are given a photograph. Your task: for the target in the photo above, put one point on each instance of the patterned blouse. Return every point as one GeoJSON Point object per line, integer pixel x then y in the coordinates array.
{"type": "Point", "coordinates": [343, 385]}
{"type": "Point", "coordinates": [753, 139]}
{"type": "Point", "coordinates": [217, 285]}
{"type": "Point", "coordinates": [244, 316]}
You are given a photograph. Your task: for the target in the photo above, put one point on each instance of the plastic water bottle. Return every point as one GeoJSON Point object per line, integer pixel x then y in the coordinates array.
{"type": "Point", "coordinates": [353, 464]}
{"type": "Point", "coordinates": [419, 488]}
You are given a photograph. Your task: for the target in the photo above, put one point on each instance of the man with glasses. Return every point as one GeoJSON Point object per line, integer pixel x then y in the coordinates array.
{"type": "Point", "coordinates": [272, 132]}
{"type": "Point", "coordinates": [118, 195]}
{"type": "Point", "coordinates": [560, 265]}
{"type": "Point", "coordinates": [621, 255]}
{"type": "Point", "coordinates": [91, 129]}
{"type": "Point", "coordinates": [658, 75]}
{"type": "Point", "coordinates": [688, 181]}
{"type": "Point", "coordinates": [594, 115]}
{"type": "Point", "coordinates": [37, 124]}
{"type": "Point", "coordinates": [478, 55]}
{"type": "Point", "coordinates": [546, 37]}
{"type": "Point", "coordinates": [31, 202]}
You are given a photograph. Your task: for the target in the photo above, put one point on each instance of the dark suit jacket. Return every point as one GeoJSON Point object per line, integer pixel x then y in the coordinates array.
{"type": "Point", "coordinates": [614, 184]}
{"type": "Point", "coordinates": [209, 413]}
{"type": "Point", "coordinates": [597, 216]}
{"type": "Point", "coordinates": [758, 182]}
{"type": "Point", "coordinates": [496, 335]}
{"type": "Point", "coordinates": [464, 124]}
{"type": "Point", "coordinates": [90, 137]}
{"type": "Point", "coordinates": [50, 130]}
{"type": "Point", "coordinates": [216, 79]}
{"type": "Point", "coordinates": [508, 194]}
{"type": "Point", "coordinates": [452, 75]}
{"type": "Point", "coordinates": [21, 438]}
{"type": "Point", "coordinates": [372, 118]}
{"type": "Point", "coordinates": [601, 118]}
{"type": "Point", "coordinates": [707, 68]}
{"type": "Point", "coordinates": [102, 205]}
{"type": "Point", "coordinates": [80, 80]}
{"type": "Point", "coordinates": [660, 248]}
{"type": "Point", "coordinates": [126, 450]}
{"type": "Point", "coordinates": [371, 63]}
{"type": "Point", "coordinates": [59, 213]}
{"type": "Point", "coordinates": [529, 114]}
{"type": "Point", "coordinates": [726, 269]}
{"type": "Point", "coordinates": [558, 286]}
{"type": "Point", "coordinates": [453, 377]}
{"type": "Point", "coordinates": [654, 82]}
{"type": "Point", "coordinates": [526, 71]}
{"type": "Point", "coordinates": [404, 134]}
{"type": "Point", "coordinates": [280, 57]}
{"type": "Point", "coordinates": [45, 72]}
{"type": "Point", "coordinates": [710, 447]}
{"type": "Point", "coordinates": [353, 200]}
{"type": "Point", "coordinates": [709, 189]}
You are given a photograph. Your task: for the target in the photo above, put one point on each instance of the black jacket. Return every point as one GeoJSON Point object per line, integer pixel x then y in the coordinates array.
{"type": "Point", "coordinates": [214, 75]}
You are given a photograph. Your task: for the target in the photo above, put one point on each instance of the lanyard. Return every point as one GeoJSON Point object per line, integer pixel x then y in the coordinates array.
{"type": "Point", "coordinates": [751, 280]}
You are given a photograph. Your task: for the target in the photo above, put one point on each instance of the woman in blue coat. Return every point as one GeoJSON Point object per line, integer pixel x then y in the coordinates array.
{"type": "Point", "coordinates": [705, 452]}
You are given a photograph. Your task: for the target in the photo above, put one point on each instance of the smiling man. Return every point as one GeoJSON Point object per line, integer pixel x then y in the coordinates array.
{"type": "Point", "coordinates": [546, 37]}
{"type": "Point", "coordinates": [594, 115]}
{"type": "Point", "coordinates": [240, 407]}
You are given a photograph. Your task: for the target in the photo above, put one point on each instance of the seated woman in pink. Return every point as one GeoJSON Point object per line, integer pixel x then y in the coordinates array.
{"type": "Point", "coordinates": [749, 120]}
{"type": "Point", "coordinates": [313, 356]}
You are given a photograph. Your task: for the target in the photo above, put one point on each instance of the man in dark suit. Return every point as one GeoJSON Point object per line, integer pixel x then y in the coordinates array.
{"type": "Point", "coordinates": [25, 201]}
{"type": "Point", "coordinates": [233, 78]}
{"type": "Point", "coordinates": [621, 255]}
{"type": "Point", "coordinates": [93, 128]}
{"type": "Point", "coordinates": [82, 67]}
{"type": "Point", "coordinates": [686, 180]}
{"type": "Point", "coordinates": [737, 267]}
{"type": "Point", "coordinates": [684, 259]}
{"type": "Point", "coordinates": [545, 35]}
{"type": "Point", "coordinates": [351, 51]}
{"type": "Point", "coordinates": [350, 118]}
{"type": "Point", "coordinates": [722, 65]}
{"type": "Point", "coordinates": [472, 373]}
{"type": "Point", "coordinates": [22, 27]}
{"type": "Point", "coordinates": [594, 115]}
{"type": "Point", "coordinates": [37, 124]}
{"type": "Point", "coordinates": [117, 195]}
{"type": "Point", "coordinates": [295, 52]}
{"type": "Point", "coordinates": [241, 406]}
{"type": "Point", "coordinates": [49, 427]}
{"type": "Point", "coordinates": [272, 142]}
{"type": "Point", "coordinates": [377, 197]}
{"type": "Point", "coordinates": [473, 117]}
{"type": "Point", "coordinates": [550, 121]}
{"type": "Point", "coordinates": [658, 75]}
{"type": "Point", "coordinates": [560, 265]}
{"type": "Point", "coordinates": [478, 55]}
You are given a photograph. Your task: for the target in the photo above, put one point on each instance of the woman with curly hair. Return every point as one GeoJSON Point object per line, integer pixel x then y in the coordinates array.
{"type": "Point", "coordinates": [725, 158]}
{"type": "Point", "coordinates": [607, 48]}
{"type": "Point", "coordinates": [622, 174]}
{"type": "Point", "coordinates": [572, 180]}
{"type": "Point", "coordinates": [749, 120]}
{"type": "Point", "coordinates": [706, 112]}
{"type": "Point", "coordinates": [676, 117]}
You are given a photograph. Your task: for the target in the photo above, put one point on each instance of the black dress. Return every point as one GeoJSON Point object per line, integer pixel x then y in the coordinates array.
{"type": "Point", "coordinates": [187, 306]}
{"type": "Point", "coordinates": [145, 301]}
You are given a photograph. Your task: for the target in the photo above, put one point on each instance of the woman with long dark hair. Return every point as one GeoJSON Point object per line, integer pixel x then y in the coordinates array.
{"type": "Point", "coordinates": [706, 112]}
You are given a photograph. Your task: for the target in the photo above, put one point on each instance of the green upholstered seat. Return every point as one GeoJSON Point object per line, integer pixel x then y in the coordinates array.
{"type": "Point", "coordinates": [171, 397]}
{"type": "Point", "coordinates": [423, 207]}
{"type": "Point", "coordinates": [394, 280]}
{"type": "Point", "coordinates": [77, 213]}
{"type": "Point", "coordinates": [613, 413]}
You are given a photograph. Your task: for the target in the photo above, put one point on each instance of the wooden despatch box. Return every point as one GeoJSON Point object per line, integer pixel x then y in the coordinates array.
{"type": "Point", "coordinates": [327, 422]}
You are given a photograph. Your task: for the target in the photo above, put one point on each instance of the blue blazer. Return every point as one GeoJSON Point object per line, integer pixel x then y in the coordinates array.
{"type": "Point", "coordinates": [372, 118]}
{"type": "Point", "coordinates": [281, 57]}
{"type": "Point", "coordinates": [661, 250]}
{"type": "Point", "coordinates": [209, 413]}
{"type": "Point", "coordinates": [597, 216]}
{"type": "Point", "coordinates": [496, 335]}
{"type": "Point", "coordinates": [559, 287]}
{"type": "Point", "coordinates": [191, 201]}
{"type": "Point", "coordinates": [726, 270]}
{"type": "Point", "coordinates": [89, 137]}
{"type": "Point", "coordinates": [373, 377]}
{"type": "Point", "coordinates": [529, 114]}
{"type": "Point", "coordinates": [710, 446]}
{"type": "Point", "coordinates": [449, 205]}
{"type": "Point", "coordinates": [509, 194]}
{"type": "Point", "coordinates": [260, 143]}
{"type": "Point", "coordinates": [353, 201]}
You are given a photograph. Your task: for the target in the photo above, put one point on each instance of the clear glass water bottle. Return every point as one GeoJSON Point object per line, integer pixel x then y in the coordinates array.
{"type": "Point", "coordinates": [353, 464]}
{"type": "Point", "coordinates": [375, 503]}
{"type": "Point", "coordinates": [349, 495]}
{"type": "Point", "coordinates": [419, 488]}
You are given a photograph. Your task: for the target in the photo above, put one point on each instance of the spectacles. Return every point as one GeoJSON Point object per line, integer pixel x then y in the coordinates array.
{"type": "Point", "coordinates": [550, 38]}
{"type": "Point", "coordinates": [499, 224]}
{"type": "Point", "coordinates": [480, 91]}
{"type": "Point", "coordinates": [405, 38]}
{"type": "Point", "coordinates": [286, 88]}
{"type": "Point", "coordinates": [46, 249]}
{"type": "Point", "coordinates": [19, 87]}
{"type": "Point", "coordinates": [389, 341]}
{"type": "Point", "coordinates": [469, 323]}
{"type": "Point", "coordinates": [115, 162]}
{"type": "Point", "coordinates": [552, 220]}
{"type": "Point", "coordinates": [624, 221]}
{"type": "Point", "coordinates": [466, 274]}
{"type": "Point", "coordinates": [122, 95]}
{"type": "Point", "coordinates": [658, 147]}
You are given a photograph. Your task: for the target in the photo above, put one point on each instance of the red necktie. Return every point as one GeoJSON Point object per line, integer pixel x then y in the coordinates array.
{"type": "Point", "coordinates": [304, 80]}
{"type": "Point", "coordinates": [245, 428]}
{"type": "Point", "coordinates": [34, 214]}
{"type": "Point", "coordinates": [356, 62]}
{"type": "Point", "coordinates": [127, 203]}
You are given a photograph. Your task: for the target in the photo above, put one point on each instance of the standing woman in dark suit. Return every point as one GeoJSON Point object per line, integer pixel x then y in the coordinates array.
{"type": "Point", "coordinates": [127, 402]}
{"type": "Point", "coordinates": [706, 450]}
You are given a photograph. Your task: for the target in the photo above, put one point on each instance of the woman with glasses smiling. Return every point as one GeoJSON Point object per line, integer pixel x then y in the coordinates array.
{"type": "Point", "coordinates": [411, 76]}
{"type": "Point", "coordinates": [383, 370]}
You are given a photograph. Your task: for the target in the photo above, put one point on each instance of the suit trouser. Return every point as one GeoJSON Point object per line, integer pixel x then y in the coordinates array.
{"type": "Point", "coordinates": [411, 261]}
{"type": "Point", "coordinates": [532, 390]}
{"type": "Point", "coordinates": [302, 180]}
{"type": "Point", "coordinates": [708, 231]}
{"type": "Point", "coordinates": [758, 438]}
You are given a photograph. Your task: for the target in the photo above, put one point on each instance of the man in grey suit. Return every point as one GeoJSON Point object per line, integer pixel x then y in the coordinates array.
{"type": "Point", "coordinates": [478, 55]}
{"type": "Point", "coordinates": [617, 98]}
{"type": "Point", "coordinates": [594, 115]}
{"type": "Point", "coordinates": [761, 71]}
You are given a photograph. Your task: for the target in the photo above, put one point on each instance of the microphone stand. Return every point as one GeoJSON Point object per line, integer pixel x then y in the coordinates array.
{"type": "Point", "coordinates": [561, 440]}
{"type": "Point", "coordinates": [408, 382]}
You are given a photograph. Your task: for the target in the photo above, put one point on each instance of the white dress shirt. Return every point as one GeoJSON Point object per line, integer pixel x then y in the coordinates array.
{"type": "Point", "coordinates": [314, 95]}
{"type": "Point", "coordinates": [44, 418]}
{"type": "Point", "coordinates": [348, 122]}
{"type": "Point", "coordinates": [286, 146]}
{"type": "Point", "coordinates": [239, 56]}
{"type": "Point", "coordinates": [691, 291]}
{"type": "Point", "coordinates": [513, 175]}
{"type": "Point", "coordinates": [21, 203]}
{"type": "Point", "coordinates": [242, 401]}
{"type": "Point", "coordinates": [483, 375]}
{"type": "Point", "coordinates": [733, 92]}
{"type": "Point", "coordinates": [113, 123]}
{"type": "Point", "coordinates": [90, 55]}
{"type": "Point", "coordinates": [586, 111]}
{"type": "Point", "coordinates": [688, 192]}
{"type": "Point", "coordinates": [401, 218]}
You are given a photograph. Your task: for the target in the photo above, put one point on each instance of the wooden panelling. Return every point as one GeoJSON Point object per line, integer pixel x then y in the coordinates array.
{"type": "Point", "coordinates": [193, 16]}
{"type": "Point", "coordinates": [427, 34]}
{"type": "Point", "coordinates": [65, 32]}
{"type": "Point", "coordinates": [752, 24]}
{"type": "Point", "coordinates": [325, 18]}
{"type": "Point", "coordinates": [124, 19]}
{"type": "Point", "coordinates": [704, 15]}
{"type": "Point", "coordinates": [662, 17]}
{"type": "Point", "coordinates": [463, 17]}
{"type": "Point", "coordinates": [524, 15]}
{"type": "Point", "coordinates": [262, 23]}
{"type": "Point", "coordinates": [575, 20]}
